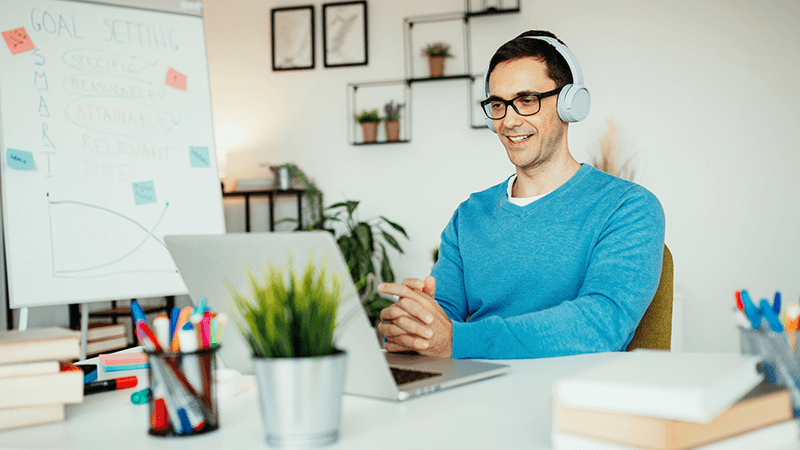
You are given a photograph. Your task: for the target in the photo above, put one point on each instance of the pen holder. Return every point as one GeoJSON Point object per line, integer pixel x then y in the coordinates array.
{"type": "Point", "coordinates": [780, 358]}
{"type": "Point", "coordinates": [184, 397]}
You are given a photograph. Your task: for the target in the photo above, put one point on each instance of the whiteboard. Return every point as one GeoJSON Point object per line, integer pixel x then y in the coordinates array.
{"type": "Point", "coordinates": [107, 145]}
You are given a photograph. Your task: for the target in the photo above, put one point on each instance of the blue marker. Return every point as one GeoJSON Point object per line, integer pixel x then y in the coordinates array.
{"type": "Point", "coordinates": [776, 304]}
{"type": "Point", "coordinates": [771, 317]}
{"type": "Point", "coordinates": [751, 310]}
{"type": "Point", "coordinates": [173, 321]}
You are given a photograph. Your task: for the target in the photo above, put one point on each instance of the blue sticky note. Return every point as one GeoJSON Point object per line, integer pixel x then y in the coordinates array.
{"type": "Point", "coordinates": [199, 157]}
{"type": "Point", "coordinates": [20, 159]}
{"type": "Point", "coordinates": [144, 192]}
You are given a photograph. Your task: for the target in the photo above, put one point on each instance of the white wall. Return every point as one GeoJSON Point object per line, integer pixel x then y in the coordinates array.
{"type": "Point", "coordinates": [704, 93]}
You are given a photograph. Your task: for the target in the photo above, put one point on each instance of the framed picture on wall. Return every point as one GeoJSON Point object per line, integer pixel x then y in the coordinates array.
{"type": "Point", "coordinates": [344, 34]}
{"type": "Point", "coordinates": [293, 38]}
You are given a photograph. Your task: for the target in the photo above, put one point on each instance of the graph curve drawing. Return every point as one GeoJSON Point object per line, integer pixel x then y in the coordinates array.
{"type": "Point", "coordinates": [90, 241]}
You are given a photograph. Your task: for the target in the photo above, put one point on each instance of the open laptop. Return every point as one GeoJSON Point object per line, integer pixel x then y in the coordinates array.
{"type": "Point", "coordinates": [206, 262]}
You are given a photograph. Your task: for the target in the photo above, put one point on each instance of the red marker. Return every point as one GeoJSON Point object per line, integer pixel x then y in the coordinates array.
{"type": "Point", "coordinates": [110, 385]}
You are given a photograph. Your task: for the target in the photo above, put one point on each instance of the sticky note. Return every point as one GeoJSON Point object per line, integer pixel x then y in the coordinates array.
{"type": "Point", "coordinates": [199, 157]}
{"type": "Point", "coordinates": [20, 160]}
{"type": "Point", "coordinates": [176, 79]}
{"type": "Point", "coordinates": [18, 40]}
{"type": "Point", "coordinates": [144, 192]}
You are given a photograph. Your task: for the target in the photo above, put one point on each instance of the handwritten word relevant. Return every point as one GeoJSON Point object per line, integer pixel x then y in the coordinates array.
{"type": "Point", "coordinates": [20, 159]}
{"type": "Point", "coordinates": [144, 192]}
{"type": "Point", "coordinates": [128, 149]}
{"type": "Point", "coordinates": [91, 60]}
{"type": "Point", "coordinates": [18, 40]}
{"type": "Point", "coordinates": [126, 32]}
{"type": "Point", "coordinates": [112, 85]}
{"type": "Point", "coordinates": [45, 21]}
{"type": "Point", "coordinates": [118, 116]}
{"type": "Point", "coordinates": [199, 157]}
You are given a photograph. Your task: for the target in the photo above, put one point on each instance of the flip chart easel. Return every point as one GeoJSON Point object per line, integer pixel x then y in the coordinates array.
{"type": "Point", "coordinates": [107, 145]}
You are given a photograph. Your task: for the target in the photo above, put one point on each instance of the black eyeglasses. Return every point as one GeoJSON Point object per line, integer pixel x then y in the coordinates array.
{"type": "Point", "coordinates": [525, 104]}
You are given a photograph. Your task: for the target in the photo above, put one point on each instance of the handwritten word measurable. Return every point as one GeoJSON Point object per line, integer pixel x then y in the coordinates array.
{"type": "Point", "coordinates": [110, 85]}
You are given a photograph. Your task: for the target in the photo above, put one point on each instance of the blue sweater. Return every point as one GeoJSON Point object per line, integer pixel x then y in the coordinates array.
{"type": "Point", "coordinates": [572, 272]}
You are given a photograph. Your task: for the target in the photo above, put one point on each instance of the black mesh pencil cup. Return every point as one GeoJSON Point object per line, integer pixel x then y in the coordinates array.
{"type": "Point", "coordinates": [184, 398]}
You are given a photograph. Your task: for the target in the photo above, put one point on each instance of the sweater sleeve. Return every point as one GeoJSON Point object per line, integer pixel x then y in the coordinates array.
{"type": "Point", "coordinates": [449, 274]}
{"type": "Point", "coordinates": [624, 268]}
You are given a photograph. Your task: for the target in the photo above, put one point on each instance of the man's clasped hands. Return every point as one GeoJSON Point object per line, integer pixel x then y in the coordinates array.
{"type": "Point", "coordinates": [416, 321]}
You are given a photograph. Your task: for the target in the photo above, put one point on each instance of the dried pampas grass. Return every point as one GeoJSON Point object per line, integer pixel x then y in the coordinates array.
{"type": "Point", "coordinates": [608, 158]}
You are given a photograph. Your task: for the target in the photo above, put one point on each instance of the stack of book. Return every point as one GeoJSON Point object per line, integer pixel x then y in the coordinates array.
{"type": "Point", "coordinates": [36, 376]}
{"type": "Point", "coordinates": [103, 338]}
{"type": "Point", "coordinates": [659, 400]}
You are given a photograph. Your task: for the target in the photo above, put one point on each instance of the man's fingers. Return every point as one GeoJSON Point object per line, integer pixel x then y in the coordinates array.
{"type": "Point", "coordinates": [407, 341]}
{"type": "Point", "coordinates": [393, 347]}
{"type": "Point", "coordinates": [414, 302]}
{"type": "Point", "coordinates": [404, 325]}
{"type": "Point", "coordinates": [429, 286]}
{"type": "Point", "coordinates": [414, 283]}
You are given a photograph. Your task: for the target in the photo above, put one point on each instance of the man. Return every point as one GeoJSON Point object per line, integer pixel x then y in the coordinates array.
{"type": "Point", "coordinates": [559, 259]}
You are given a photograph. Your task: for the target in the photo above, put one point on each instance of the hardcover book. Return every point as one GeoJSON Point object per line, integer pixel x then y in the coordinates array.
{"type": "Point", "coordinates": [39, 344]}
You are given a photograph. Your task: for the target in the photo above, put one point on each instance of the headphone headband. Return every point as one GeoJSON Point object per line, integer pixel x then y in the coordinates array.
{"type": "Point", "coordinates": [573, 101]}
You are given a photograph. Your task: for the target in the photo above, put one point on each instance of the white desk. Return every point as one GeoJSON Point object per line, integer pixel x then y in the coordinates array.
{"type": "Point", "coordinates": [512, 411]}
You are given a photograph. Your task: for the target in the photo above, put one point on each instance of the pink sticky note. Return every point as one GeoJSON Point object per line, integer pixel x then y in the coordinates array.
{"type": "Point", "coordinates": [18, 40]}
{"type": "Point", "coordinates": [176, 79]}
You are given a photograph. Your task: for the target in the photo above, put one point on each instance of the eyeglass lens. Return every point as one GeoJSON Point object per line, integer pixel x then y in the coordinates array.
{"type": "Point", "coordinates": [524, 105]}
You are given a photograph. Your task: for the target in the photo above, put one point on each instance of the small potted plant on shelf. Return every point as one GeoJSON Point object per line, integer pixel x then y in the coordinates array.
{"type": "Point", "coordinates": [436, 53]}
{"type": "Point", "coordinates": [289, 327]}
{"type": "Point", "coordinates": [369, 120]}
{"type": "Point", "coordinates": [392, 120]}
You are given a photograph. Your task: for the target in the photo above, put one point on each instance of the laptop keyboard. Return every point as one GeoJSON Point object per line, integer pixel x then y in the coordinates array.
{"type": "Point", "coordinates": [403, 376]}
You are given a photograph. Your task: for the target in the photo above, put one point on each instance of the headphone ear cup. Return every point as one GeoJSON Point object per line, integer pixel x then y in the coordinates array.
{"type": "Point", "coordinates": [490, 124]}
{"type": "Point", "coordinates": [574, 103]}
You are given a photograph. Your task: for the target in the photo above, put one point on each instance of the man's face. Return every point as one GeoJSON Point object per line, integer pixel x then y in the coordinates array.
{"type": "Point", "coordinates": [530, 141]}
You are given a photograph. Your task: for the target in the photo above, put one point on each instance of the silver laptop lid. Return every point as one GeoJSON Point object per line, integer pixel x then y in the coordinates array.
{"type": "Point", "coordinates": [206, 262]}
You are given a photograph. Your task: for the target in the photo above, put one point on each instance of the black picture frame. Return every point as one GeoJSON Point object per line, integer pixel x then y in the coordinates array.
{"type": "Point", "coordinates": [344, 34]}
{"type": "Point", "coordinates": [293, 38]}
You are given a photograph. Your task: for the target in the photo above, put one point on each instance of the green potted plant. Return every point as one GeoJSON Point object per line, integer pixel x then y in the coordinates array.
{"type": "Point", "coordinates": [436, 53]}
{"type": "Point", "coordinates": [392, 120]}
{"type": "Point", "coordinates": [289, 326]}
{"type": "Point", "coordinates": [369, 120]}
{"type": "Point", "coordinates": [363, 246]}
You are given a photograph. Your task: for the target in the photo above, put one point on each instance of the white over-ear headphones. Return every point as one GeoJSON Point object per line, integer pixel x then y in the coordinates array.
{"type": "Point", "coordinates": [573, 101]}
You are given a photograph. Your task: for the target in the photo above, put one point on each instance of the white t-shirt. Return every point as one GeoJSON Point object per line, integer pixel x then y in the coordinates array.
{"type": "Point", "coordinates": [520, 201]}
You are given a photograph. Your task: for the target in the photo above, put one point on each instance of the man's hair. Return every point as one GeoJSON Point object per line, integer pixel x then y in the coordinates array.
{"type": "Point", "coordinates": [522, 47]}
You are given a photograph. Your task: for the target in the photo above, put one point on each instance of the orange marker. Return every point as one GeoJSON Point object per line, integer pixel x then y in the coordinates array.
{"type": "Point", "coordinates": [182, 319]}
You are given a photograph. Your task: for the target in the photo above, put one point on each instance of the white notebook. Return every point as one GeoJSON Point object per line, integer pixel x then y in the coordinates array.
{"type": "Point", "coordinates": [783, 436]}
{"type": "Point", "coordinates": [692, 387]}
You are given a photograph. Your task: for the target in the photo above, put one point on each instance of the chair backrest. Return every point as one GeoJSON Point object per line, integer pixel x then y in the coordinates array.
{"type": "Point", "coordinates": [655, 328]}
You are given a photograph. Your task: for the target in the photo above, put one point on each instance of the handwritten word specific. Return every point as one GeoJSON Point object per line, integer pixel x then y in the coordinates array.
{"type": "Point", "coordinates": [100, 61]}
{"type": "Point", "coordinates": [18, 40]}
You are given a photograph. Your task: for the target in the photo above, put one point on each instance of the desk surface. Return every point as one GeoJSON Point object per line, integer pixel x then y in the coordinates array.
{"type": "Point", "coordinates": [511, 411]}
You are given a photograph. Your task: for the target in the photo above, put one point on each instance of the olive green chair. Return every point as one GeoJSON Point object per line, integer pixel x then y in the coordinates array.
{"type": "Point", "coordinates": [655, 329]}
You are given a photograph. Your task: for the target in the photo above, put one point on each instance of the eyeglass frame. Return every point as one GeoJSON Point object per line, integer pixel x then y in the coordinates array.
{"type": "Point", "coordinates": [508, 103]}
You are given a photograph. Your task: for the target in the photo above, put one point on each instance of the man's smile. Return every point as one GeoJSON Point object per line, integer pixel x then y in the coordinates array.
{"type": "Point", "coordinates": [519, 138]}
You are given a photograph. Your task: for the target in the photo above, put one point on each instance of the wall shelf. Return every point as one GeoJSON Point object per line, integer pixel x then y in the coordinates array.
{"type": "Point", "coordinates": [472, 8]}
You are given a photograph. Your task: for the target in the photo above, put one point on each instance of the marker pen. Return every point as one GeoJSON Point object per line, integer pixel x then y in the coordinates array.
{"type": "Point", "coordinates": [161, 328]}
{"type": "Point", "coordinates": [110, 385]}
{"type": "Point", "coordinates": [183, 317]}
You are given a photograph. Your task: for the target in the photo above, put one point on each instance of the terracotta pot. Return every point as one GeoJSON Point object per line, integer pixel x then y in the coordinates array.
{"type": "Point", "coordinates": [436, 65]}
{"type": "Point", "coordinates": [370, 130]}
{"type": "Point", "coordinates": [392, 130]}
